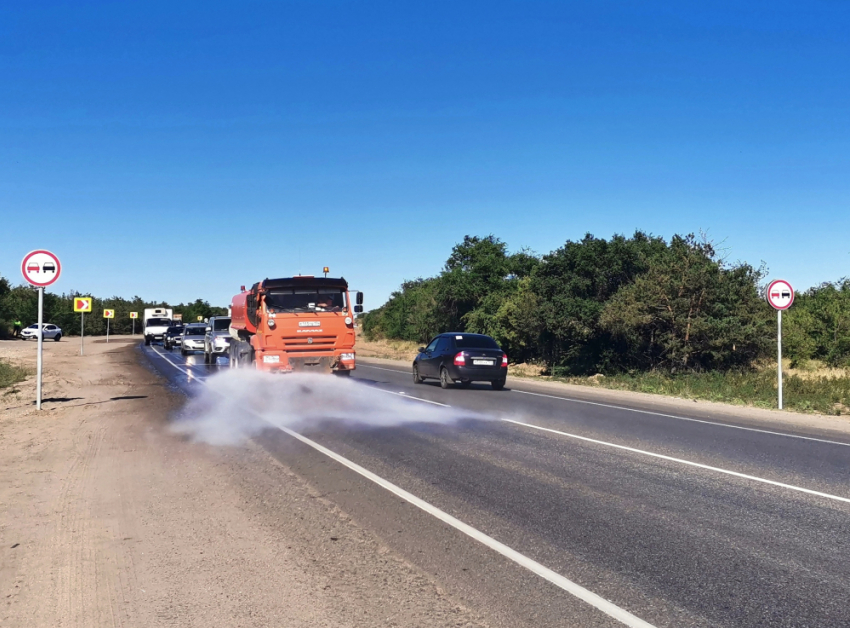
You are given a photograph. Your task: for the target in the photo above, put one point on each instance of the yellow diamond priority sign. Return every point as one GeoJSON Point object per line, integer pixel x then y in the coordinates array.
{"type": "Point", "coordinates": [82, 304]}
{"type": "Point", "coordinates": [108, 313]}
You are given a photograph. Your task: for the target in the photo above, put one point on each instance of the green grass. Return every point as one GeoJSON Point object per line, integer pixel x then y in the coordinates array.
{"type": "Point", "coordinates": [825, 395]}
{"type": "Point", "coordinates": [11, 374]}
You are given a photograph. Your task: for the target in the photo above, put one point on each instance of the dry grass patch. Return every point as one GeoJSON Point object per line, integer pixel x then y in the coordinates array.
{"type": "Point", "coordinates": [387, 349]}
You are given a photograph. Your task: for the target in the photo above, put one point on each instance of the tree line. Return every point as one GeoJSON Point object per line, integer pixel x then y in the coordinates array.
{"type": "Point", "coordinates": [20, 303]}
{"type": "Point", "coordinates": [616, 305]}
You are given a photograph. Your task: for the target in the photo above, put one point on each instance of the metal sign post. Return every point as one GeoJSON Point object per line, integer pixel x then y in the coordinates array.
{"type": "Point", "coordinates": [779, 353]}
{"type": "Point", "coordinates": [108, 314]}
{"type": "Point", "coordinates": [40, 268]}
{"type": "Point", "coordinates": [780, 295]}
{"type": "Point", "coordinates": [82, 305]}
{"type": "Point", "coordinates": [39, 363]}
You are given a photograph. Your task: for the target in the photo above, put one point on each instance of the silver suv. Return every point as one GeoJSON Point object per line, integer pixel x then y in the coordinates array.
{"type": "Point", "coordinates": [217, 339]}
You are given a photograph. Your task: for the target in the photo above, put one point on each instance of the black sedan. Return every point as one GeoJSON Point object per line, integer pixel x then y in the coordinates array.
{"type": "Point", "coordinates": [462, 359]}
{"type": "Point", "coordinates": [172, 336]}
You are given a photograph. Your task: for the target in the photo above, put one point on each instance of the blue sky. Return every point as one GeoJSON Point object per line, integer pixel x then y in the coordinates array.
{"type": "Point", "coordinates": [178, 150]}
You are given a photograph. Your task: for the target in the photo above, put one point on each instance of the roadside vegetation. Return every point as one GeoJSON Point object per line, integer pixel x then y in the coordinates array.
{"type": "Point", "coordinates": [826, 391]}
{"type": "Point", "coordinates": [21, 303]}
{"type": "Point", "coordinates": [11, 374]}
{"type": "Point", "coordinates": [637, 313]}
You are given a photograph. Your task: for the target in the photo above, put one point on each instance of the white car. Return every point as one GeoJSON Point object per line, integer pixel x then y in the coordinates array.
{"type": "Point", "coordinates": [50, 331]}
{"type": "Point", "coordinates": [193, 338]}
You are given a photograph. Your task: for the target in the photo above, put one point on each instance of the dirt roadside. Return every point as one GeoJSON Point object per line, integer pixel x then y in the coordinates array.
{"type": "Point", "coordinates": [108, 519]}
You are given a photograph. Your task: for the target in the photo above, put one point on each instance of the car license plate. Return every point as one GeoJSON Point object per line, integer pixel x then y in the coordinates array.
{"type": "Point", "coordinates": [483, 362]}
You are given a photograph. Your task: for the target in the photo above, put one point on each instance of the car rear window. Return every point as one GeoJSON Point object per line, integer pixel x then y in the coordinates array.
{"type": "Point", "coordinates": [475, 342]}
{"type": "Point", "coordinates": [195, 331]}
{"type": "Point", "coordinates": [221, 324]}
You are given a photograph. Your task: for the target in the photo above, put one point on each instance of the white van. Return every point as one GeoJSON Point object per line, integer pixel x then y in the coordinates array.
{"type": "Point", "coordinates": [157, 322]}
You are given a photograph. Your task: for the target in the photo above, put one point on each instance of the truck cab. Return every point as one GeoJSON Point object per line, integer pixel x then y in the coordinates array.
{"type": "Point", "coordinates": [301, 323]}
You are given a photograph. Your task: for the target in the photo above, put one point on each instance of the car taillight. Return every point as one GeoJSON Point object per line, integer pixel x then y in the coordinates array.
{"type": "Point", "coordinates": [504, 359]}
{"type": "Point", "coordinates": [460, 359]}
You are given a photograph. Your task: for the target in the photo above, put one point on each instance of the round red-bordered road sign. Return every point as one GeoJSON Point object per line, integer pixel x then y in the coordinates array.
{"type": "Point", "coordinates": [780, 294]}
{"type": "Point", "coordinates": [41, 268]}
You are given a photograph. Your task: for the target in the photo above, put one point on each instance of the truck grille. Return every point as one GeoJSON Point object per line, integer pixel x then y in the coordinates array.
{"type": "Point", "coordinates": [299, 343]}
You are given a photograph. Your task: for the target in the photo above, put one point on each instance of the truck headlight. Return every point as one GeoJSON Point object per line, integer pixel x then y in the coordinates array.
{"type": "Point", "coordinates": [271, 359]}
{"type": "Point", "coordinates": [346, 357]}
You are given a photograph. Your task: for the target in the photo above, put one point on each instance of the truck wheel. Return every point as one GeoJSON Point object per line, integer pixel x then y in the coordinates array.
{"type": "Point", "coordinates": [147, 341]}
{"type": "Point", "coordinates": [343, 373]}
{"type": "Point", "coordinates": [445, 381]}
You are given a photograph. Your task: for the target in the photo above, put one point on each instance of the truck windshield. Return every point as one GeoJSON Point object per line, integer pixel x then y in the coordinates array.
{"type": "Point", "coordinates": [221, 324]}
{"type": "Point", "coordinates": [157, 322]}
{"type": "Point", "coordinates": [305, 301]}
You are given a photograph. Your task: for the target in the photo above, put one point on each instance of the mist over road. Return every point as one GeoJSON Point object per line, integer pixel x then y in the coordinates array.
{"type": "Point", "coordinates": [673, 518]}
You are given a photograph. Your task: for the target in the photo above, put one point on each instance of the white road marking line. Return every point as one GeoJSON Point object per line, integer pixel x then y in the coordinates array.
{"type": "Point", "coordinates": [399, 394]}
{"type": "Point", "coordinates": [600, 603]}
{"type": "Point", "coordinates": [683, 418]}
{"type": "Point", "coordinates": [681, 461]}
{"type": "Point", "coordinates": [669, 416]}
{"type": "Point", "coordinates": [189, 373]}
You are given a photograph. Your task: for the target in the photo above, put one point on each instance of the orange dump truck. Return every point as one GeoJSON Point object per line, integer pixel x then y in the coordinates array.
{"type": "Point", "coordinates": [294, 324]}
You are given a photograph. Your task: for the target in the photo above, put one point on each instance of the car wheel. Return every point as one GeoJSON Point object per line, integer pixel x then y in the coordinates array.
{"type": "Point", "coordinates": [57, 337]}
{"type": "Point", "coordinates": [417, 379]}
{"type": "Point", "coordinates": [147, 341]}
{"type": "Point", "coordinates": [206, 357]}
{"type": "Point", "coordinates": [445, 382]}
{"type": "Point", "coordinates": [498, 384]}
{"type": "Point", "coordinates": [183, 351]}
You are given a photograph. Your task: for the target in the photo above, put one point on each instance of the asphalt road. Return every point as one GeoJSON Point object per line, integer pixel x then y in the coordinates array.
{"type": "Point", "coordinates": [548, 511]}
